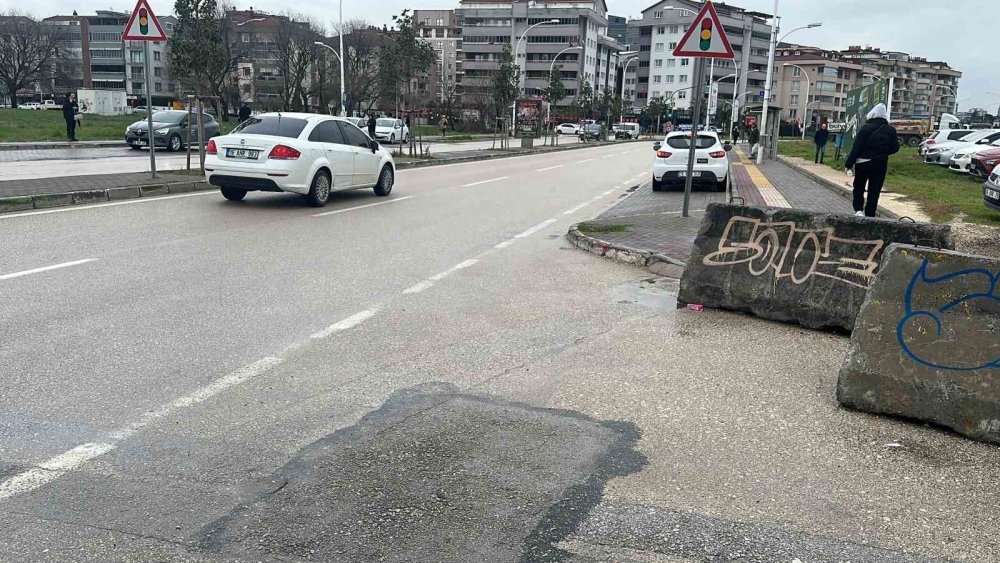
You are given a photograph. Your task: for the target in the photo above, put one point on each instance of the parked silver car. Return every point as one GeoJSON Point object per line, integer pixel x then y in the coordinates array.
{"type": "Point", "coordinates": [169, 131]}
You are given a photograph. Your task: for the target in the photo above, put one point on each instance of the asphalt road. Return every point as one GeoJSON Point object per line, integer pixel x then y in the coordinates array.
{"type": "Point", "coordinates": [82, 161]}
{"type": "Point", "coordinates": [436, 376]}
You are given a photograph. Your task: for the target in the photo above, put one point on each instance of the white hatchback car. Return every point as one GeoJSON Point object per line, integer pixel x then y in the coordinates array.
{"type": "Point", "coordinates": [568, 129]}
{"type": "Point", "coordinates": [390, 130]}
{"type": "Point", "coordinates": [711, 165]}
{"type": "Point", "coordinates": [303, 153]}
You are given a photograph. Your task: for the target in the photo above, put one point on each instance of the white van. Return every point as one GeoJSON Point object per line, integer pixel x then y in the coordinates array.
{"type": "Point", "coordinates": [626, 130]}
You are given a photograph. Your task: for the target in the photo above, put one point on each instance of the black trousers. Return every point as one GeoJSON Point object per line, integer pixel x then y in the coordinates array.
{"type": "Point", "coordinates": [819, 153]}
{"type": "Point", "coordinates": [872, 174]}
{"type": "Point", "coordinates": [70, 129]}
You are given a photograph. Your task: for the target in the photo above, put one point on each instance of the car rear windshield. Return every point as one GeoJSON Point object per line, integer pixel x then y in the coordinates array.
{"type": "Point", "coordinates": [273, 125]}
{"type": "Point", "coordinates": [683, 142]}
{"type": "Point", "coordinates": [385, 122]}
{"type": "Point", "coordinates": [169, 116]}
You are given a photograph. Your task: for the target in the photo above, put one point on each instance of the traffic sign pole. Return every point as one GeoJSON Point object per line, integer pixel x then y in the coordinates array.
{"type": "Point", "coordinates": [698, 80]}
{"type": "Point", "coordinates": [149, 114]}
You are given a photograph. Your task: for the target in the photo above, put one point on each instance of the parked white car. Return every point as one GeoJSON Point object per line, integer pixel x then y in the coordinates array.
{"type": "Point", "coordinates": [711, 166]}
{"type": "Point", "coordinates": [625, 130]}
{"type": "Point", "coordinates": [391, 130]}
{"type": "Point", "coordinates": [962, 158]}
{"type": "Point", "coordinates": [30, 105]}
{"type": "Point", "coordinates": [568, 129]}
{"type": "Point", "coordinates": [942, 136]}
{"type": "Point", "coordinates": [303, 153]}
{"type": "Point", "coordinates": [941, 153]}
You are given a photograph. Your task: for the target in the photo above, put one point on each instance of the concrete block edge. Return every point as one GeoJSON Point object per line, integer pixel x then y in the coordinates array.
{"type": "Point", "coordinates": [618, 253]}
{"type": "Point", "coordinates": [10, 204]}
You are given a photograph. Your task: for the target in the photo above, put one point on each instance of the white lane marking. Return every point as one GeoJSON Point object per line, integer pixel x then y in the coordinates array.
{"type": "Point", "coordinates": [356, 207]}
{"type": "Point", "coordinates": [57, 466]}
{"type": "Point", "coordinates": [426, 284]}
{"type": "Point", "coordinates": [348, 323]}
{"type": "Point", "coordinates": [455, 268]}
{"type": "Point", "coordinates": [610, 155]}
{"type": "Point", "coordinates": [100, 205]}
{"type": "Point", "coordinates": [584, 160]}
{"type": "Point", "coordinates": [485, 181]}
{"type": "Point", "coordinates": [550, 168]}
{"type": "Point", "coordinates": [608, 192]}
{"type": "Point", "coordinates": [577, 208]}
{"type": "Point", "coordinates": [46, 269]}
{"type": "Point", "coordinates": [536, 228]}
{"type": "Point", "coordinates": [505, 244]}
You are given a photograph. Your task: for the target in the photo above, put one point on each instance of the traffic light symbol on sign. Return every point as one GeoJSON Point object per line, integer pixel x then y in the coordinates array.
{"type": "Point", "coordinates": [706, 34]}
{"type": "Point", "coordinates": [143, 21]}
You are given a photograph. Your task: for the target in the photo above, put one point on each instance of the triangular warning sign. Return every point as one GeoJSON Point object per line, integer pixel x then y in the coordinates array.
{"type": "Point", "coordinates": [706, 37]}
{"type": "Point", "coordinates": [143, 25]}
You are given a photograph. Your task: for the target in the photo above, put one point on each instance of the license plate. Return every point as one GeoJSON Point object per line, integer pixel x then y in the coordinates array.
{"type": "Point", "coordinates": [249, 154]}
{"type": "Point", "coordinates": [702, 161]}
{"type": "Point", "coordinates": [992, 194]}
{"type": "Point", "coordinates": [694, 174]}
{"type": "Point", "coordinates": [141, 142]}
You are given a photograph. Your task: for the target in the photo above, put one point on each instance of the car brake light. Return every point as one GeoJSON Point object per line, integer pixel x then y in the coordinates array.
{"type": "Point", "coordinates": [211, 148]}
{"type": "Point", "coordinates": [663, 154]}
{"type": "Point", "coordinates": [931, 142]}
{"type": "Point", "coordinates": [283, 152]}
{"type": "Point", "coordinates": [717, 154]}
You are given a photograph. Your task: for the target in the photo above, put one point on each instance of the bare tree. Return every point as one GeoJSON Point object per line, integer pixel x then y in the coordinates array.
{"type": "Point", "coordinates": [296, 53]}
{"type": "Point", "coordinates": [28, 50]}
{"type": "Point", "coordinates": [362, 42]}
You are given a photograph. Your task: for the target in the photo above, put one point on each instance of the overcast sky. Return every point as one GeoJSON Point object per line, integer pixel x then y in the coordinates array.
{"type": "Point", "coordinates": [956, 31]}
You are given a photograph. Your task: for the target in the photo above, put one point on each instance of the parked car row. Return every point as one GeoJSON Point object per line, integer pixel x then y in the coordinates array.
{"type": "Point", "coordinates": [968, 151]}
{"type": "Point", "coordinates": [47, 104]}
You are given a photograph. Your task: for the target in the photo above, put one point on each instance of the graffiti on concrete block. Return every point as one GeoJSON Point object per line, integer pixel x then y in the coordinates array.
{"type": "Point", "coordinates": [952, 321]}
{"type": "Point", "coordinates": [789, 252]}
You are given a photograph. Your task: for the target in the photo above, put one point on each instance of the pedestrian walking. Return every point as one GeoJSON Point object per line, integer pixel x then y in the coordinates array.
{"type": "Point", "coordinates": [244, 112]}
{"type": "Point", "coordinates": [736, 133]}
{"type": "Point", "coordinates": [869, 158]}
{"type": "Point", "coordinates": [70, 109]}
{"type": "Point", "coordinates": [753, 139]}
{"type": "Point", "coordinates": [371, 125]}
{"type": "Point", "coordinates": [444, 125]}
{"type": "Point", "coordinates": [819, 139]}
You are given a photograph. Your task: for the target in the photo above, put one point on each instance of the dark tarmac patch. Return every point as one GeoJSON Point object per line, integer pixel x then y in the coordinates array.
{"type": "Point", "coordinates": [434, 475]}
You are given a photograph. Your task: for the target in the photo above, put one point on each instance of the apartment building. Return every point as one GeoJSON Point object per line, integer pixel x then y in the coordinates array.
{"type": "Point", "coordinates": [94, 56]}
{"type": "Point", "coordinates": [442, 30]}
{"type": "Point", "coordinates": [657, 73]}
{"type": "Point", "coordinates": [489, 24]}
{"type": "Point", "coordinates": [921, 87]}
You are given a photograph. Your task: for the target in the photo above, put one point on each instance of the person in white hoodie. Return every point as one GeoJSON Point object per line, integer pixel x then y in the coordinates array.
{"type": "Point", "coordinates": [869, 156]}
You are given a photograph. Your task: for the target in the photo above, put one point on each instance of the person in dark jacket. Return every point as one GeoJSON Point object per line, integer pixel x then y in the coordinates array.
{"type": "Point", "coordinates": [736, 133]}
{"type": "Point", "coordinates": [753, 135]}
{"type": "Point", "coordinates": [70, 108]}
{"type": "Point", "coordinates": [244, 113]}
{"type": "Point", "coordinates": [869, 157]}
{"type": "Point", "coordinates": [819, 139]}
{"type": "Point", "coordinates": [371, 125]}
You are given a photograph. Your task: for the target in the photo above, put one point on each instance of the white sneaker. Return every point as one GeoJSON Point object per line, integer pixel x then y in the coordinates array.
{"type": "Point", "coordinates": [859, 213]}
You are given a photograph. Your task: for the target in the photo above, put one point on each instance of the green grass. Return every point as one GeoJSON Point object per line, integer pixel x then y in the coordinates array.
{"type": "Point", "coordinates": [18, 125]}
{"type": "Point", "coordinates": [941, 193]}
{"type": "Point", "coordinates": [596, 228]}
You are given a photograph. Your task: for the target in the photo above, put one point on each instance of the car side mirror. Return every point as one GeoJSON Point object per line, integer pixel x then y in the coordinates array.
{"type": "Point", "coordinates": [657, 145]}
{"type": "Point", "coordinates": [727, 147]}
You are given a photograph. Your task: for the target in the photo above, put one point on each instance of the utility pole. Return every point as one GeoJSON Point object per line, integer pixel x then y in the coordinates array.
{"type": "Point", "coordinates": [767, 84]}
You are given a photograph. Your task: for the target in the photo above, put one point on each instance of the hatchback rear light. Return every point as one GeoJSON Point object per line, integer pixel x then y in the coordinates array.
{"type": "Point", "coordinates": [211, 148]}
{"type": "Point", "coordinates": [931, 142]}
{"type": "Point", "coordinates": [663, 154]}
{"type": "Point", "coordinates": [717, 154]}
{"type": "Point", "coordinates": [284, 152]}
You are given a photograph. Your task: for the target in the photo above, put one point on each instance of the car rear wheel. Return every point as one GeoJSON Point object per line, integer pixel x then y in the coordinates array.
{"type": "Point", "coordinates": [233, 194]}
{"type": "Point", "coordinates": [720, 186]}
{"type": "Point", "coordinates": [319, 192]}
{"type": "Point", "coordinates": [174, 143]}
{"type": "Point", "coordinates": [657, 185]}
{"type": "Point", "coordinates": [385, 181]}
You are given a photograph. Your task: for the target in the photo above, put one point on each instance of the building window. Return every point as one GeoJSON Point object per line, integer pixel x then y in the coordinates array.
{"type": "Point", "coordinates": [157, 71]}
{"type": "Point", "coordinates": [657, 15]}
{"type": "Point", "coordinates": [158, 87]}
{"type": "Point", "coordinates": [658, 63]}
{"type": "Point", "coordinates": [439, 22]}
{"type": "Point", "coordinates": [245, 37]}
{"type": "Point", "coordinates": [671, 63]}
{"type": "Point", "coordinates": [792, 113]}
{"type": "Point", "coordinates": [673, 45]}
{"type": "Point", "coordinates": [670, 79]}
{"type": "Point", "coordinates": [794, 99]}
{"type": "Point", "coordinates": [683, 78]}
{"type": "Point", "coordinates": [682, 95]}
{"type": "Point", "coordinates": [156, 55]}
{"type": "Point", "coordinates": [673, 29]}
{"type": "Point", "coordinates": [795, 85]}
{"type": "Point", "coordinates": [657, 79]}
{"type": "Point", "coordinates": [685, 62]}
{"type": "Point", "coordinates": [796, 71]}
{"type": "Point", "coordinates": [661, 30]}
{"type": "Point", "coordinates": [659, 47]}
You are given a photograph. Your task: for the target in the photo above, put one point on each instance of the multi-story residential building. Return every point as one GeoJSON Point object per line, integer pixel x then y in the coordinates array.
{"type": "Point", "coordinates": [618, 29]}
{"type": "Point", "coordinates": [920, 87]}
{"type": "Point", "coordinates": [442, 29]}
{"type": "Point", "coordinates": [660, 74]}
{"type": "Point", "coordinates": [489, 24]}
{"type": "Point", "coordinates": [95, 57]}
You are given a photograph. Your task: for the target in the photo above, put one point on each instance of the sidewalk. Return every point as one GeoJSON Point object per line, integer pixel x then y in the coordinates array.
{"type": "Point", "coordinates": [656, 231]}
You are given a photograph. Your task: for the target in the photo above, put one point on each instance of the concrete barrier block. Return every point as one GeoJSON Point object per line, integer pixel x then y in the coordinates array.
{"type": "Point", "coordinates": [52, 200]}
{"type": "Point", "coordinates": [89, 196]}
{"type": "Point", "coordinates": [792, 265]}
{"type": "Point", "coordinates": [122, 193]}
{"type": "Point", "coordinates": [927, 342]}
{"type": "Point", "coordinates": [153, 189]}
{"type": "Point", "coordinates": [16, 203]}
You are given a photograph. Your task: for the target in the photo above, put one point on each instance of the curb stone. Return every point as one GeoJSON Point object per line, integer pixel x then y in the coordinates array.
{"type": "Point", "coordinates": [123, 193]}
{"type": "Point", "coordinates": [16, 203]}
{"type": "Point", "coordinates": [836, 188]}
{"type": "Point", "coordinates": [529, 152]}
{"type": "Point", "coordinates": [656, 263]}
{"type": "Point", "coordinates": [153, 189]}
{"type": "Point", "coordinates": [52, 200]}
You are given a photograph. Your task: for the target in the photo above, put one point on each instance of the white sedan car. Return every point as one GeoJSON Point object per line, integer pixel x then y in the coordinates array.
{"type": "Point", "coordinates": [962, 158]}
{"type": "Point", "coordinates": [390, 130]}
{"type": "Point", "coordinates": [30, 105]}
{"type": "Point", "coordinates": [711, 165]}
{"type": "Point", "coordinates": [303, 153]}
{"type": "Point", "coordinates": [941, 153]}
{"type": "Point", "coordinates": [568, 129]}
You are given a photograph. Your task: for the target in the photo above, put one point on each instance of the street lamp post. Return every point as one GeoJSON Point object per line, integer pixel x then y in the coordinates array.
{"type": "Point", "coordinates": [621, 117]}
{"type": "Point", "coordinates": [734, 75]}
{"type": "Point", "coordinates": [340, 33]}
{"type": "Point", "coordinates": [552, 68]}
{"type": "Point", "coordinates": [341, 60]}
{"type": "Point", "coordinates": [517, 50]}
{"type": "Point", "coordinates": [805, 111]}
{"type": "Point", "coordinates": [770, 70]}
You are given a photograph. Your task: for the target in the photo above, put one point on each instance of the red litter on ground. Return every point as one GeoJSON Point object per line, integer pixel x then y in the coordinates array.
{"type": "Point", "coordinates": [697, 307]}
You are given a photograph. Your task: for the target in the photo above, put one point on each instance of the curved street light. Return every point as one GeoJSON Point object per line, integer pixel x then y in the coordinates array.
{"type": "Point", "coordinates": [810, 26]}
{"type": "Point", "coordinates": [517, 51]}
{"type": "Point", "coordinates": [770, 70]}
{"type": "Point", "coordinates": [552, 68]}
{"type": "Point", "coordinates": [341, 61]}
{"type": "Point", "coordinates": [621, 116]}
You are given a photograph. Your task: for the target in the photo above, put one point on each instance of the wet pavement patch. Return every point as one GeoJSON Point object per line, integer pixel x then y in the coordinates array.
{"type": "Point", "coordinates": [434, 475]}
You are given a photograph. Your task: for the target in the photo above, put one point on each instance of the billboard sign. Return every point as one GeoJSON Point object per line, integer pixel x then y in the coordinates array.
{"type": "Point", "coordinates": [859, 102]}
